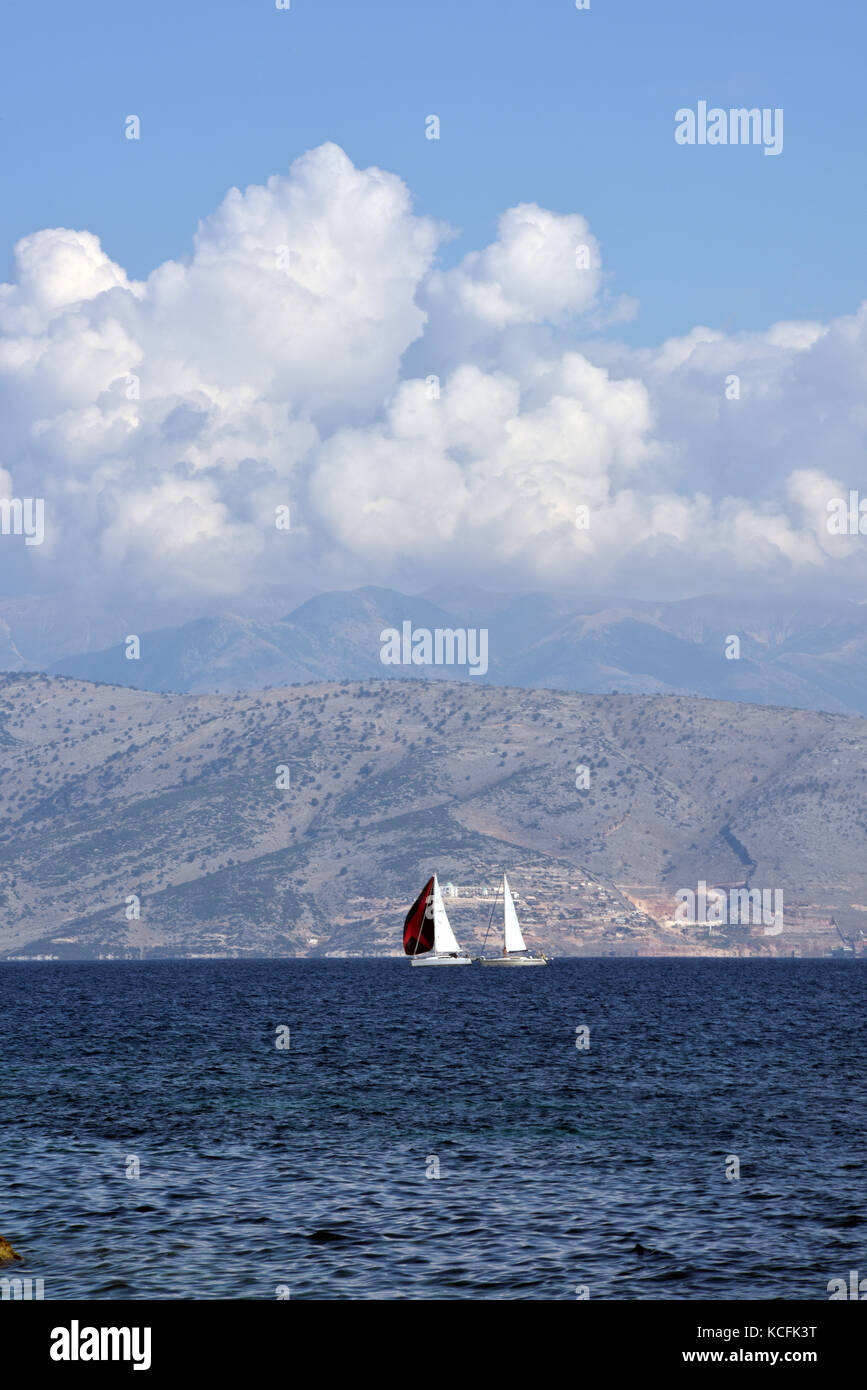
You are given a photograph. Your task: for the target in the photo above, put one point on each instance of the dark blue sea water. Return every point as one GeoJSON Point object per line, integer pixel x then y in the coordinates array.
{"type": "Point", "coordinates": [306, 1168]}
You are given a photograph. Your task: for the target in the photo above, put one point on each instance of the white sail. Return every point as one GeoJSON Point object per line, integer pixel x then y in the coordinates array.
{"type": "Point", "coordinates": [444, 937]}
{"type": "Point", "coordinates": [514, 940]}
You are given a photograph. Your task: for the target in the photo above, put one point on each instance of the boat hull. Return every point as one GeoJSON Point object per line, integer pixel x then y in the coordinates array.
{"type": "Point", "coordinates": [512, 960]}
{"type": "Point", "coordinates": [440, 960]}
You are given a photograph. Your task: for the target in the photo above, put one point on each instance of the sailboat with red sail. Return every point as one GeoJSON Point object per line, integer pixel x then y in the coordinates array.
{"type": "Point", "coordinates": [428, 938]}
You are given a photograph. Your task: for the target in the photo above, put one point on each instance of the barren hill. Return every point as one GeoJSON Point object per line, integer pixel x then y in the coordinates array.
{"type": "Point", "coordinates": [111, 795]}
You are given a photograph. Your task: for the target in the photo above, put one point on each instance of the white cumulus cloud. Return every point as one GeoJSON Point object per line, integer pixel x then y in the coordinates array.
{"type": "Point", "coordinates": [164, 421]}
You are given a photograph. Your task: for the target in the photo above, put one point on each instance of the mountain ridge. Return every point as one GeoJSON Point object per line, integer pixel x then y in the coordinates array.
{"type": "Point", "coordinates": [807, 655]}
{"type": "Point", "coordinates": [175, 802]}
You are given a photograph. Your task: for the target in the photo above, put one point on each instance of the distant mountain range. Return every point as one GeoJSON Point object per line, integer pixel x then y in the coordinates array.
{"type": "Point", "coordinates": [810, 655]}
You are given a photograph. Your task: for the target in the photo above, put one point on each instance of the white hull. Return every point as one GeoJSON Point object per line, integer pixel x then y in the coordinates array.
{"type": "Point", "coordinates": [434, 959]}
{"type": "Point", "coordinates": [512, 960]}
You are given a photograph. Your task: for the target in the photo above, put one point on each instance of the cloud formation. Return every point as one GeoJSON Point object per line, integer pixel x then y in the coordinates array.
{"type": "Point", "coordinates": [420, 423]}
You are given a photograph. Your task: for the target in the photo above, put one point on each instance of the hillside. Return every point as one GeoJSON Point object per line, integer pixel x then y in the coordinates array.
{"type": "Point", "coordinates": [110, 792]}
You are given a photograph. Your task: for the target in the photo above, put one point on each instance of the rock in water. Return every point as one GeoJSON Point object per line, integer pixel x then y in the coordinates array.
{"type": "Point", "coordinates": [6, 1251]}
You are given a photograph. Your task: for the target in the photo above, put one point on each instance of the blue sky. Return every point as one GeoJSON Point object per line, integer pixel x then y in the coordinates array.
{"type": "Point", "coordinates": [538, 102]}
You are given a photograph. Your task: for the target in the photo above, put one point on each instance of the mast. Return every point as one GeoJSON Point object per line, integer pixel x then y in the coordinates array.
{"type": "Point", "coordinates": [491, 918]}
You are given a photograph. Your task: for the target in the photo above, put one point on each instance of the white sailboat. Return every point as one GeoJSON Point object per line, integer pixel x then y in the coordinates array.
{"type": "Point", "coordinates": [514, 947]}
{"type": "Point", "coordinates": [428, 938]}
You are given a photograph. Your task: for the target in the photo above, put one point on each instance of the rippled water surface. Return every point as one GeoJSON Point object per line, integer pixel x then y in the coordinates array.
{"type": "Point", "coordinates": [558, 1167]}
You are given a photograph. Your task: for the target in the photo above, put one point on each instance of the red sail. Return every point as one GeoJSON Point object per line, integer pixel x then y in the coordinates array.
{"type": "Point", "coordinates": [418, 928]}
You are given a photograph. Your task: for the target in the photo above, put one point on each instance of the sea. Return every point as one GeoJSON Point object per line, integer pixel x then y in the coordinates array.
{"type": "Point", "coordinates": [350, 1129]}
